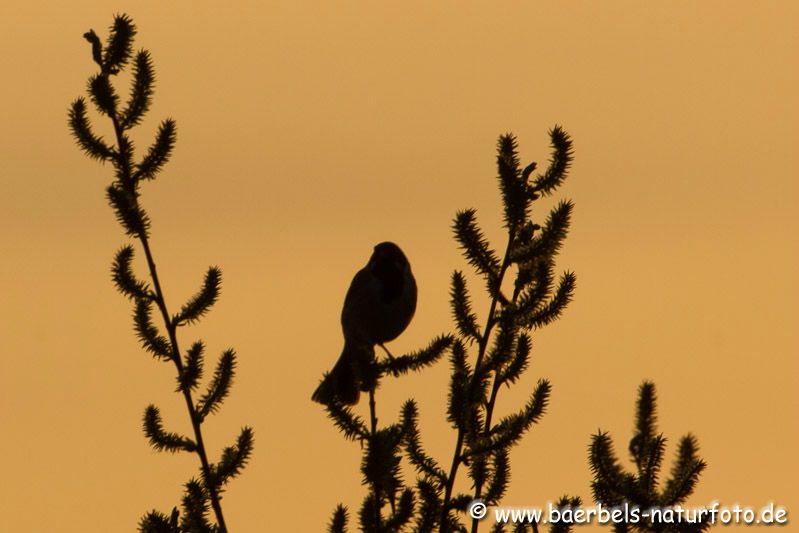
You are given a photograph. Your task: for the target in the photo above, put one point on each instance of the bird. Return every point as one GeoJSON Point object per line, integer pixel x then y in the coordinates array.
{"type": "Point", "coordinates": [379, 305]}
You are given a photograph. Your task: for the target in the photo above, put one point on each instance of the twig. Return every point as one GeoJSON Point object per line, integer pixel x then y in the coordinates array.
{"type": "Point", "coordinates": [127, 176]}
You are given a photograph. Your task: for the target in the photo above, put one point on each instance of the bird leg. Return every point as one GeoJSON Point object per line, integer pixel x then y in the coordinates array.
{"type": "Point", "coordinates": [390, 357]}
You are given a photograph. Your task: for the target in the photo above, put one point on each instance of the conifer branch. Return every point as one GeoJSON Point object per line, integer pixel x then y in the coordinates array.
{"type": "Point", "coordinates": [123, 195]}
{"type": "Point", "coordinates": [550, 311]}
{"type": "Point", "coordinates": [201, 302]}
{"type": "Point", "coordinates": [480, 444]}
{"type": "Point", "coordinates": [338, 524]}
{"type": "Point", "coordinates": [423, 463]}
{"type": "Point", "coordinates": [103, 95]}
{"type": "Point", "coordinates": [500, 476]}
{"type": "Point", "coordinates": [234, 458]}
{"type": "Point", "coordinates": [465, 319]}
{"type": "Point", "coordinates": [159, 153]}
{"type": "Point", "coordinates": [513, 186]}
{"type": "Point", "coordinates": [141, 92]}
{"type": "Point", "coordinates": [559, 163]}
{"type": "Point", "coordinates": [534, 287]}
{"type": "Point", "coordinates": [160, 439]}
{"type": "Point", "coordinates": [94, 146]}
{"type": "Point", "coordinates": [148, 335]}
{"type": "Point", "coordinates": [157, 522]}
{"type": "Point", "coordinates": [418, 360]}
{"type": "Point", "coordinates": [563, 504]}
{"type": "Point", "coordinates": [192, 371]}
{"type": "Point", "coordinates": [351, 425]}
{"type": "Point", "coordinates": [383, 446]}
{"type": "Point", "coordinates": [476, 248]}
{"type": "Point", "coordinates": [609, 479]}
{"type": "Point", "coordinates": [511, 428]}
{"type": "Point", "coordinates": [685, 473]}
{"type": "Point", "coordinates": [124, 278]}
{"type": "Point", "coordinates": [429, 507]}
{"type": "Point", "coordinates": [403, 512]}
{"type": "Point", "coordinates": [612, 486]}
{"type": "Point", "coordinates": [195, 508]}
{"type": "Point", "coordinates": [380, 468]}
{"type": "Point", "coordinates": [550, 239]}
{"type": "Point", "coordinates": [645, 423]}
{"type": "Point", "coordinates": [119, 47]}
{"type": "Point", "coordinates": [458, 386]}
{"type": "Point", "coordinates": [127, 210]}
{"type": "Point", "coordinates": [502, 347]}
{"type": "Point", "coordinates": [219, 388]}
{"type": "Point", "coordinates": [511, 372]}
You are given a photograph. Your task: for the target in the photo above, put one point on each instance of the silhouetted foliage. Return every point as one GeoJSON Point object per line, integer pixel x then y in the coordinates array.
{"type": "Point", "coordinates": [124, 196]}
{"type": "Point", "coordinates": [382, 448]}
{"type": "Point", "coordinates": [612, 486]}
{"type": "Point", "coordinates": [482, 359]}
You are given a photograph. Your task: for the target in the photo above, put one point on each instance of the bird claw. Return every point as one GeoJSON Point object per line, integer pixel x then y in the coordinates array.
{"type": "Point", "coordinates": [390, 357]}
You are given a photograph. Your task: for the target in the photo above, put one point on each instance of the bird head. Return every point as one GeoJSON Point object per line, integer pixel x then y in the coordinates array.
{"type": "Point", "coordinates": [391, 267]}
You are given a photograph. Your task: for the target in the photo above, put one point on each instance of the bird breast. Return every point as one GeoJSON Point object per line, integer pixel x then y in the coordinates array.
{"type": "Point", "coordinates": [374, 315]}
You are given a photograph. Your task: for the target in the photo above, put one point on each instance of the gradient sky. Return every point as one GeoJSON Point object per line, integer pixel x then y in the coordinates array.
{"type": "Point", "coordinates": [308, 132]}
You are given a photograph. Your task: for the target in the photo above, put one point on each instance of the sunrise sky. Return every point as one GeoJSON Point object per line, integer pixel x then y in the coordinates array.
{"type": "Point", "coordinates": [310, 131]}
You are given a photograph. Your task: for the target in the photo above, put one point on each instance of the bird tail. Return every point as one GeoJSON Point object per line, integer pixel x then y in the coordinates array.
{"type": "Point", "coordinates": [340, 384]}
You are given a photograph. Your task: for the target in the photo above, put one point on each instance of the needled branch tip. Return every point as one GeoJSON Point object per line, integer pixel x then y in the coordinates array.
{"type": "Point", "coordinates": [119, 46]}
{"type": "Point", "coordinates": [192, 371]}
{"type": "Point", "coordinates": [559, 163]}
{"type": "Point", "coordinates": [124, 278]}
{"type": "Point", "coordinates": [195, 508]}
{"type": "Point", "coordinates": [234, 458]}
{"type": "Point", "coordinates": [128, 212]}
{"type": "Point", "coordinates": [141, 91]}
{"type": "Point", "coordinates": [338, 523]}
{"type": "Point", "coordinates": [417, 360]}
{"type": "Point", "coordinates": [465, 319]}
{"type": "Point", "coordinates": [103, 94]}
{"type": "Point", "coordinates": [512, 183]}
{"type": "Point", "coordinates": [159, 153]}
{"type": "Point", "coordinates": [612, 486]}
{"type": "Point", "coordinates": [93, 145]}
{"type": "Point", "coordinates": [162, 440]}
{"type": "Point", "coordinates": [123, 195]}
{"type": "Point", "coordinates": [152, 341]}
{"type": "Point", "coordinates": [219, 388]}
{"type": "Point", "coordinates": [352, 426]}
{"type": "Point", "coordinates": [476, 248]}
{"type": "Point", "coordinates": [503, 344]}
{"type": "Point", "coordinates": [201, 303]}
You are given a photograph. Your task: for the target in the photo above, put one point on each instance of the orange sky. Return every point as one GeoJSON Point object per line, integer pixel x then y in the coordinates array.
{"type": "Point", "coordinates": [308, 132]}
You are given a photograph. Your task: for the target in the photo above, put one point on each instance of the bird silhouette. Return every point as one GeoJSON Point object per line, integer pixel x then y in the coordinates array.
{"type": "Point", "coordinates": [379, 305]}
